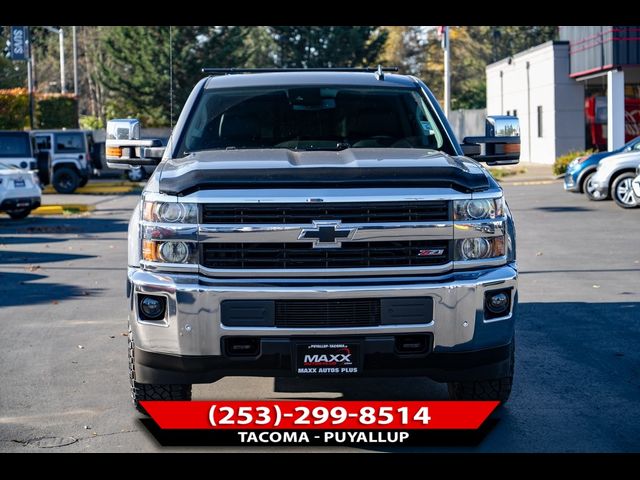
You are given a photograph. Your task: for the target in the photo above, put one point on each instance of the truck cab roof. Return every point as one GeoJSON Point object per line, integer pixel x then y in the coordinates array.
{"type": "Point", "coordinates": [281, 79]}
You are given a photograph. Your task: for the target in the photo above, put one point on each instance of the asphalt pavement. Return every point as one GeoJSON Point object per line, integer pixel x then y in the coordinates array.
{"type": "Point", "coordinates": [64, 385]}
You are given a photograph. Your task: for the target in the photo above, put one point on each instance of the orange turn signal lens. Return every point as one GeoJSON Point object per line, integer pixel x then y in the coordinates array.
{"type": "Point", "coordinates": [498, 247]}
{"type": "Point", "coordinates": [114, 152]}
{"type": "Point", "coordinates": [149, 251]}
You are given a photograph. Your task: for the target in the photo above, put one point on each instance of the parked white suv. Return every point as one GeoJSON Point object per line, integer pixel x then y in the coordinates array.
{"type": "Point", "coordinates": [19, 191]}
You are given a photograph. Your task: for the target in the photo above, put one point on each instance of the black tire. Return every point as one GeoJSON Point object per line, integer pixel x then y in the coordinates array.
{"type": "Point", "coordinates": [149, 391]}
{"type": "Point", "coordinates": [622, 191]}
{"type": "Point", "coordinates": [19, 214]}
{"type": "Point", "coordinates": [586, 185]}
{"type": "Point", "coordinates": [593, 195]}
{"type": "Point", "coordinates": [83, 182]}
{"type": "Point", "coordinates": [65, 180]}
{"type": "Point", "coordinates": [490, 389]}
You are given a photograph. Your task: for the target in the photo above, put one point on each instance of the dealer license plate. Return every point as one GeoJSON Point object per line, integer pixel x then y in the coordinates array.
{"type": "Point", "coordinates": [317, 359]}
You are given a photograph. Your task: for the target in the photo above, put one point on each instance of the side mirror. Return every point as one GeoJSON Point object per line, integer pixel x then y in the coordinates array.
{"type": "Point", "coordinates": [501, 142]}
{"type": "Point", "coordinates": [125, 149]}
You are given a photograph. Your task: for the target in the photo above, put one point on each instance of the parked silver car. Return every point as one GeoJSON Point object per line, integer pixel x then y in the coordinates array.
{"type": "Point", "coordinates": [615, 175]}
{"type": "Point", "coordinates": [636, 185]}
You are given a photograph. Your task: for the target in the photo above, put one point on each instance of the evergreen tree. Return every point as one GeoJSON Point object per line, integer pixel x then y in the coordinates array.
{"type": "Point", "coordinates": [314, 46]}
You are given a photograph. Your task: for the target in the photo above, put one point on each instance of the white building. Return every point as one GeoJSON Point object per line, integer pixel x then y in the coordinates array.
{"type": "Point", "coordinates": [535, 86]}
{"type": "Point", "coordinates": [580, 92]}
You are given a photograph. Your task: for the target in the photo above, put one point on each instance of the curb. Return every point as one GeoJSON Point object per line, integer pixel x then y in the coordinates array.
{"type": "Point", "coordinates": [62, 209]}
{"type": "Point", "coordinates": [103, 188]}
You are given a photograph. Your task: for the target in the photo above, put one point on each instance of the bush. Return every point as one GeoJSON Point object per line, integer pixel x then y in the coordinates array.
{"type": "Point", "coordinates": [57, 110]}
{"type": "Point", "coordinates": [89, 122]}
{"type": "Point", "coordinates": [561, 163]}
{"type": "Point", "coordinates": [14, 109]}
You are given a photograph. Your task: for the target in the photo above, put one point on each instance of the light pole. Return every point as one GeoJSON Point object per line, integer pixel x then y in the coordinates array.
{"type": "Point", "coordinates": [60, 32]}
{"type": "Point", "coordinates": [447, 71]}
{"type": "Point", "coordinates": [75, 63]}
{"type": "Point", "coordinates": [443, 33]}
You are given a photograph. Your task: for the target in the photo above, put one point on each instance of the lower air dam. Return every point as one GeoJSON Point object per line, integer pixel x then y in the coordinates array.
{"type": "Point", "coordinates": [326, 437]}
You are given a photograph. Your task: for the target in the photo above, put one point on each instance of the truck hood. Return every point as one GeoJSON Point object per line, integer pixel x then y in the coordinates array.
{"type": "Point", "coordinates": [349, 168]}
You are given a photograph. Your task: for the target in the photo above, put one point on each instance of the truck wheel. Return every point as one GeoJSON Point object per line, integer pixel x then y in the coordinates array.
{"type": "Point", "coordinates": [65, 180]}
{"type": "Point", "coordinates": [136, 174]}
{"type": "Point", "coordinates": [152, 391]}
{"type": "Point", "coordinates": [622, 191]}
{"type": "Point", "coordinates": [490, 389]}
{"type": "Point", "coordinates": [19, 214]}
{"type": "Point", "coordinates": [83, 182]}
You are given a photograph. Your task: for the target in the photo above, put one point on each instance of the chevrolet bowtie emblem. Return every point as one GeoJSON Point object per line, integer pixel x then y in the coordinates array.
{"type": "Point", "coordinates": [327, 234]}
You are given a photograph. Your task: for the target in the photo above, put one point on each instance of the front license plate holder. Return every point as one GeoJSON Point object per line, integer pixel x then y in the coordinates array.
{"type": "Point", "coordinates": [327, 358]}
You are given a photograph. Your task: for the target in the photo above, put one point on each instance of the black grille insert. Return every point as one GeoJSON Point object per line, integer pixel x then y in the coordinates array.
{"type": "Point", "coordinates": [328, 313]}
{"type": "Point", "coordinates": [301, 255]}
{"type": "Point", "coordinates": [305, 213]}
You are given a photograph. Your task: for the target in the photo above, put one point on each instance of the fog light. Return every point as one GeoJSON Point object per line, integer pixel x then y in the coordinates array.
{"type": "Point", "coordinates": [497, 303]}
{"type": "Point", "coordinates": [152, 308]}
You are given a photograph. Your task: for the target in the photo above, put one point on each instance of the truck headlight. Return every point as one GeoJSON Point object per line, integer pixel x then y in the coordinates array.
{"type": "Point", "coordinates": [483, 208]}
{"type": "Point", "coordinates": [479, 248]}
{"type": "Point", "coordinates": [170, 212]}
{"type": "Point", "coordinates": [169, 251]}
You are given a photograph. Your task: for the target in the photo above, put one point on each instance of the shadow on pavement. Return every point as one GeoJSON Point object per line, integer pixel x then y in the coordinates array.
{"type": "Point", "coordinates": [564, 209]}
{"type": "Point", "coordinates": [24, 289]}
{"type": "Point", "coordinates": [63, 225]}
{"type": "Point", "coordinates": [18, 240]}
{"type": "Point", "coordinates": [9, 257]}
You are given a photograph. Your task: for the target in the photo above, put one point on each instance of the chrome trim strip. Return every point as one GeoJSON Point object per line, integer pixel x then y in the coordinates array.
{"type": "Point", "coordinates": [169, 231]}
{"type": "Point", "coordinates": [160, 267]}
{"type": "Point", "coordinates": [485, 262]}
{"type": "Point", "coordinates": [478, 228]}
{"type": "Point", "coordinates": [325, 272]}
{"type": "Point", "coordinates": [278, 233]}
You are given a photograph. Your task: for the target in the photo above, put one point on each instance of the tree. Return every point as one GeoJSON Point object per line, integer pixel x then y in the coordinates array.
{"type": "Point", "coordinates": [472, 49]}
{"type": "Point", "coordinates": [313, 46]}
{"type": "Point", "coordinates": [137, 73]}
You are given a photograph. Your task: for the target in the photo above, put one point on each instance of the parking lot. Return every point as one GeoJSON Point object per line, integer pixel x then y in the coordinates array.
{"type": "Point", "coordinates": [63, 351]}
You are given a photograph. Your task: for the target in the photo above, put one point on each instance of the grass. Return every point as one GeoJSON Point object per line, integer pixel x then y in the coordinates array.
{"type": "Point", "coordinates": [501, 172]}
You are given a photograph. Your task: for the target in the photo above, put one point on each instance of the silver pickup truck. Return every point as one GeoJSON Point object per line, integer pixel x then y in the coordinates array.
{"type": "Point", "coordinates": [319, 223]}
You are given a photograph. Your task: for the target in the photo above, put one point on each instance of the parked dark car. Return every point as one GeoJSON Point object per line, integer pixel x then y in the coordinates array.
{"type": "Point", "coordinates": [580, 171]}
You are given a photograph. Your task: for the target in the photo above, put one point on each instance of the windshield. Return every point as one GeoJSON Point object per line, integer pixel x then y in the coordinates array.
{"type": "Point", "coordinates": [311, 118]}
{"type": "Point", "coordinates": [14, 145]}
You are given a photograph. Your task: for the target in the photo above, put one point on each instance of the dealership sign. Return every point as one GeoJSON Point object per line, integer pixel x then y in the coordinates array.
{"type": "Point", "coordinates": [18, 43]}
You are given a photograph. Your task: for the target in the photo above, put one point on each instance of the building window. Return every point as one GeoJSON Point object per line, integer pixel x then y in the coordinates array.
{"type": "Point", "coordinates": [540, 121]}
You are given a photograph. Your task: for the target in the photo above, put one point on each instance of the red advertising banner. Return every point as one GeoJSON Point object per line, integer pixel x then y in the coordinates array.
{"type": "Point", "coordinates": [321, 415]}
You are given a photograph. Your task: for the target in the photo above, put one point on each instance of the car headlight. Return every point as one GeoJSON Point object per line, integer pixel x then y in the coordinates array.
{"type": "Point", "coordinates": [170, 212]}
{"type": "Point", "coordinates": [484, 208]}
{"type": "Point", "coordinates": [479, 248]}
{"type": "Point", "coordinates": [169, 251]}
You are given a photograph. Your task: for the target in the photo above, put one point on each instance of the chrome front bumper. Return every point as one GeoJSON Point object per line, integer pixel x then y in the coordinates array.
{"type": "Point", "coordinates": [193, 325]}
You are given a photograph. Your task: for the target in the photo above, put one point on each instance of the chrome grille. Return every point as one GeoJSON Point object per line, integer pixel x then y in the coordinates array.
{"type": "Point", "coordinates": [305, 213]}
{"type": "Point", "coordinates": [302, 255]}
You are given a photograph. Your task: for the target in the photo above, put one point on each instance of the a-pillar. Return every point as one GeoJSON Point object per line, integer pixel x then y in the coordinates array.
{"type": "Point", "coordinates": [615, 109]}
